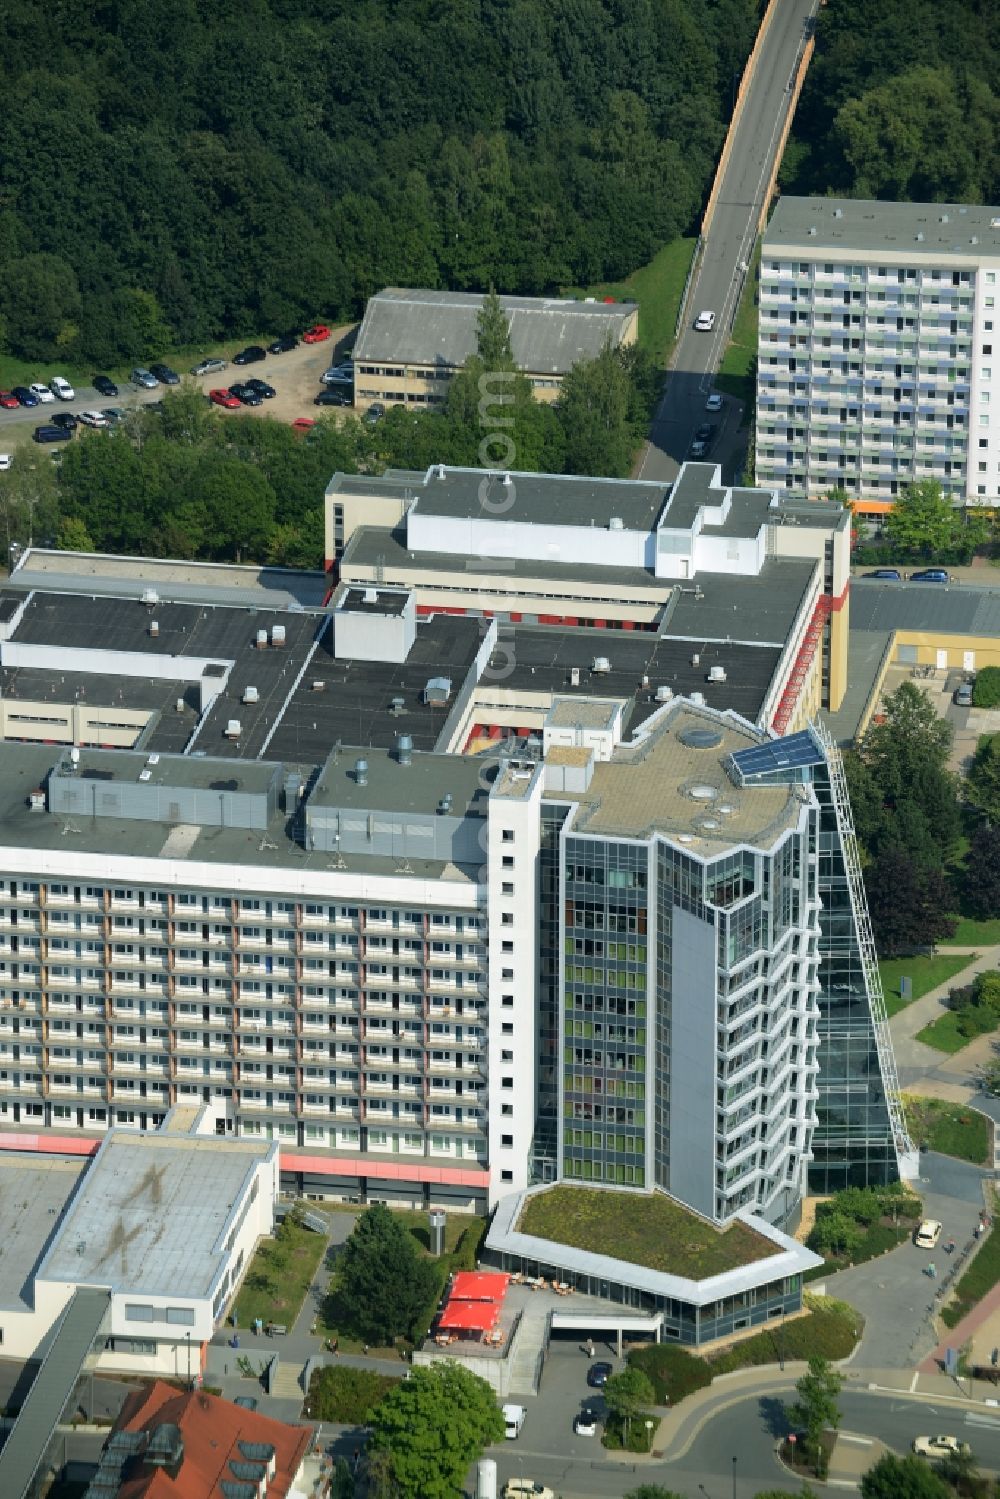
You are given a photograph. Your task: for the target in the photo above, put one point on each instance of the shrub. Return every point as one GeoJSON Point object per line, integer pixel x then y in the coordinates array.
{"type": "Point", "coordinates": [830, 1331]}
{"type": "Point", "coordinates": [672, 1371]}
{"type": "Point", "coordinates": [986, 688]}
{"type": "Point", "coordinates": [347, 1395]}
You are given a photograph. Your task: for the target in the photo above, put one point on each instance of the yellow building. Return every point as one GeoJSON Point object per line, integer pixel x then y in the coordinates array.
{"type": "Point", "coordinates": [410, 343]}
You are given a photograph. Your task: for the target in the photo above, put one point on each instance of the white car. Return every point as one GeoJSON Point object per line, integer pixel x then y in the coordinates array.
{"type": "Point", "coordinates": [927, 1234]}
{"type": "Point", "coordinates": [61, 389]}
{"type": "Point", "coordinates": [585, 1424]}
{"type": "Point", "coordinates": [41, 391]}
{"type": "Point", "coordinates": [704, 322]}
{"type": "Point", "coordinates": [940, 1447]}
{"type": "Point", "coordinates": [714, 402]}
{"type": "Point", "coordinates": [93, 419]}
{"type": "Point", "coordinates": [5, 462]}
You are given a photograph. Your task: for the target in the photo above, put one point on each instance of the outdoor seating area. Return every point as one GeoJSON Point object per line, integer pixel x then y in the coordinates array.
{"type": "Point", "coordinates": [472, 1310]}
{"type": "Point", "coordinates": [539, 1283]}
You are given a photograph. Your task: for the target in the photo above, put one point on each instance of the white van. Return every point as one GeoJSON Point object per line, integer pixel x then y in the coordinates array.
{"type": "Point", "coordinates": [526, 1488]}
{"type": "Point", "coordinates": [513, 1420]}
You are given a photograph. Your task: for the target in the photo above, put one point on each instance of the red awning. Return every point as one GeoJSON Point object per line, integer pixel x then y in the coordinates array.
{"type": "Point", "coordinates": [470, 1316]}
{"type": "Point", "coordinates": [478, 1285]}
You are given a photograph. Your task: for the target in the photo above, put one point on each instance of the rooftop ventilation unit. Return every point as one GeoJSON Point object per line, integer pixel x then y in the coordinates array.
{"type": "Point", "coordinates": [574, 676]}
{"type": "Point", "coordinates": [716, 673]}
{"type": "Point", "coordinates": [370, 596]}
{"type": "Point", "coordinates": [507, 481]}
{"type": "Point", "coordinates": [444, 805]}
{"type": "Point", "coordinates": [696, 659]}
{"type": "Point", "coordinates": [664, 694]}
{"type": "Point", "coordinates": [150, 598]}
{"type": "Point", "coordinates": [179, 705]}
{"type": "Point", "coordinates": [361, 772]}
{"type": "Point", "coordinates": [74, 756]}
{"type": "Point", "coordinates": [154, 628]}
{"type": "Point", "coordinates": [698, 699]}
{"type": "Point", "coordinates": [404, 749]}
{"type": "Point", "coordinates": [278, 635]}
{"type": "Point", "coordinates": [616, 523]}
{"type": "Point", "coordinates": [812, 229]}
{"type": "Point", "coordinates": [600, 665]}
{"type": "Point", "coordinates": [437, 690]}
{"type": "Point", "coordinates": [36, 800]}
{"type": "Point", "coordinates": [261, 641]}
{"type": "Point", "coordinates": [154, 759]}
{"type": "Point", "coordinates": [943, 219]}
{"type": "Point", "coordinates": [251, 695]}
{"type": "Point", "coordinates": [440, 470]}
{"type": "Point", "coordinates": [397, 705]}
{"type": "Point", "coordinates": [145, 775]}
{"type": "Point", "coordinates": [234, 729]}
{"type": "Point", "coordinates": [317, 685]}
{"type": "Point", "coordinates": [838, 213]}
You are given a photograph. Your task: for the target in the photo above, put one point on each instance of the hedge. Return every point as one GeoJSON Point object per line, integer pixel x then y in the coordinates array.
{"type": "Point", "coordinates": [672, 1371]}
{"type": "Point", "coordinates": [346, 1394]}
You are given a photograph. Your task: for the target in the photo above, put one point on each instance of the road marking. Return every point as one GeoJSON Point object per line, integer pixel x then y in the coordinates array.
{"type": "Point", "coordinates": [991, 1423]}
{"type": "Point", "coordinates": [846, 1436]}
{"type": "Point", "coordinates": [913, 1381]}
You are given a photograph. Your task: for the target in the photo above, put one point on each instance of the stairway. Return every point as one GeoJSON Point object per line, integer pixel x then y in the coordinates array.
{"type": "Point", "coordinates": [526, 1359]}
{"type": "Point", "coordinates": [287, 1382]}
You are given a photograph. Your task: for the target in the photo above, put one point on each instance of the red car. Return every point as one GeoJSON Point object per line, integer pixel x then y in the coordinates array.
{"type": "Point", "coordinates": [317, 334]}
{"type": "Point", "coordinates": [303, 423]}
{"type": "Point", "coordinates": [7, 399]}
{"type": "Point", "coordinates": [225, 398]}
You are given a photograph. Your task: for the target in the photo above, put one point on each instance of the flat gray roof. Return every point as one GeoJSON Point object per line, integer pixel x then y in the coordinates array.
{"type": "Point", "coordinates": [542, 499]}
{"type": "Point", "coordinates": [548, 335]}
{"type": "Point", "coordinates": [34, 1191]}
{"type": "Point", "coordinates": [415, 788]}
{"type": "Point", "coordinates": [252, 777]}
{"type": "Point", "coordinates": [945, 608]}
{"type": "Point", "coordinates": [151, 1211]}
{"type": "Point", "coordinates": [267, 587]}
{"type": "Point", "coordinates": [968, 230]}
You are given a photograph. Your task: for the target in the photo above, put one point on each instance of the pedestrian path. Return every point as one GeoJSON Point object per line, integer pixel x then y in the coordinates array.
{"type": "Point", "coordinates": [921, 1068]}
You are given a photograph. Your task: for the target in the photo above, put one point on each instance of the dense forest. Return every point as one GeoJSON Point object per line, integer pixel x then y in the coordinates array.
{"type": "Point", "coordinates": [179, 172]}
{"type": "Point", "coordinates": [901, 102]}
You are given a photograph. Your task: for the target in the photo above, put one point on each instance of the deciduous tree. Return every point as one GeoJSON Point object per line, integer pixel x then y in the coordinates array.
{"type": "Point", "coordinates": [907, 1477]}
{"type": "Point", "coordinates": [433, 1425]}
{"type": "Point", "coordinates": [816, 1408]}
{"type": "Point", "coordinates": [922, 520]}
{"type": "Point", "coordinates": [981, 884]}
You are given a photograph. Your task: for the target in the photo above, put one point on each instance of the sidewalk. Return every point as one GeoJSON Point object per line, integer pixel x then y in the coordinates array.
{"type": "Point", "coordinates": [923, 1069]}
{"type": "Point", "coordinates": [981, 1328]}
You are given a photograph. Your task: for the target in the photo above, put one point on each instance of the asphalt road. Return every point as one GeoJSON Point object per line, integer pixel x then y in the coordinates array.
{"type": "Point", "coordinates": [728, 246]}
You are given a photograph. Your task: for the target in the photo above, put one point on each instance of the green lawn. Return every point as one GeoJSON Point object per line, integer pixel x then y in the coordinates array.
{"type": "Point", "coordinates": [980, 1278]}
{"type": "Point", "coordinates": [950, 1128]}
{"type": "Point", "coordinates": [734, 375]}
{"type": "Point", "coordinates": [926, 974]}
{"type": "Point", "coordinates": [944, 1035]}
{"type": "Point", "coordinates": [644, 1230]}
{"type": "Point", "coordinates": [970, 933]}
{"type": "Point", "coordinates": [657, 288]}
{"type": "Point", "coordinates": [279, 1275]}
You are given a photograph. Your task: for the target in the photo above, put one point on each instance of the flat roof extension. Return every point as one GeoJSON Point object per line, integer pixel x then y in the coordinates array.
{"type": "Point", "coordinates": [970, 231]}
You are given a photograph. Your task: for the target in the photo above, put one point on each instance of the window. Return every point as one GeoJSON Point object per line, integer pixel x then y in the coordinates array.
{"type": "Point", "coordinates": [138, 1312]}
{"type": "Point", "coordinates": [180, 1316]}
{"type": "Point", "coordinates": [507, 835]}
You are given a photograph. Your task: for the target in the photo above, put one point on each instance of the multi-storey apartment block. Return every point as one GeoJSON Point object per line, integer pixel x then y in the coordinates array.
{"type": "Point", "coordinates": [444, 903]}
{"type": "Point", "coordinates": [876, 350]}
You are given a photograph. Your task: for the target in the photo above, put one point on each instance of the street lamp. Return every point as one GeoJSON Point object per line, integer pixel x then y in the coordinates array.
{"type": "Point", "coordinates": [734, 1478]}
{"type": "Point", "coordinates": [649, 1436]}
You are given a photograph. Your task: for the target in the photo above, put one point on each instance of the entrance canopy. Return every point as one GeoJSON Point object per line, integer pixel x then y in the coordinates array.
{"type": "Point", "coordinates": [470, 1316]}
{"type": "Point", "coordinates": [478, 1285]}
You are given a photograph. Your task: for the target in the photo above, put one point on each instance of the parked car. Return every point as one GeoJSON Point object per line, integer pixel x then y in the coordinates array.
{"type": "Point", "coordinates": [887, 574]}
{"type": "Point", "coordinates": [224, 397]}
{"type": "Point", "coordinates": [144, 378]}
{"type": "Point", "coordinates": [252, 354]}
{"type": "Point", "coordinates": [25, 395]}
{"type": "Point", "coordinates": [963, 695]}
{"type": "Point", "coordinates": [303, 423]}
{"type": "Point", "coordinates": [93, 419]}
{"type": "Point", "coordinates": [526, 1488]}
{"type": "Point", "coordinates": [338, 374]}
{"type": "Point", "coordinates": [283, 345]}
{"type": "Point", "coordinates": [8, 399]}
{"type": "Point", "coordinates": [41, 391]}
{"type": "Point", "coordinates": [317, 334]}
{"type": "Point", "coordinates": [113, 415]}
{"type": "Point", "coordinates": [704, 322]}
{"type": "Point", "coordinates": [66, 420]}
{"type": "Point", "coordinates": [165, 374]}
{"type": "Point", "coordinates": [245, 395]}
{"type": "Point", "coordinates": [49, 433]}
{"type": "Point", "coordinates": [714, 402]}
{"type": "Point", "coordinates": [105, 386]}
{"type": "Point", "coordinates": [375, 413]}
{"type": "Point", "coordinates": [262, 388]}
{"type": "Point", "coordinates": [598, 1375]}
{"type": "Point", "coordinates": [61, 389]}
{"type": "Point", "coordinates": [332, 398]}
{"type": "Point", "coordinates": [927, 1234]}
{"type": "Point", "coordinates": [5, 462]}
{"type": "Point", "coordinates": [209, 367]}
{"type": "Point", "coordinates": [585, 1424]}
{"type": "Point", "coordinates": [513, 1421]}
{"type": "Point", "coordinates": [941, 1446]}
{"type": "Point", "coordinates": [930, 575]}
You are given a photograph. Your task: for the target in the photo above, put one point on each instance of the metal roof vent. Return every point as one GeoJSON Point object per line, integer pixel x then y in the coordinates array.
{"type": "Point", "coordinates": [440, 470]}
{"type": "Point", "coordinates": [444, 805]}
{"type": "Point", "coordinates": [812, 229]}
{"type": "Point", "coordinates": [404, 749]}
{"type": "Point", "coordinates": [600, 665]}
{"type": "Point", "coordinates": [507, 481]}
{"type": "Point", "coordinates": [361, 772]}
{"type": "Point", "coordinates": [616, 523]}
{"type": "Point", "coordinates": [943, 219]}
{"type": "Point", "coordinates": [919, 234]}
{"type": "Point", "coordinates": [838, 213]}
{"type": "Point", "coordinates": [370, 596]}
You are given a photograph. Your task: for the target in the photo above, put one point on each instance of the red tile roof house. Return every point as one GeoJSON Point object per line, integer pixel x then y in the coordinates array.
{"type": "Point", "coordinates": [171, 1444]}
